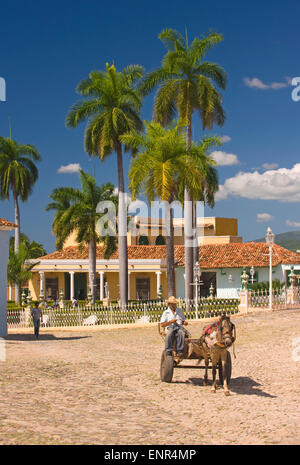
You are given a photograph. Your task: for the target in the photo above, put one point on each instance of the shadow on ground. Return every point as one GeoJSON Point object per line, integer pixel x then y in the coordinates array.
{"type": "Point", "coordinates": [42, 337]}
{"type": "Point", "coordinates": [242, 385]}
{"type": "Point", "coordinates": [245, 385]}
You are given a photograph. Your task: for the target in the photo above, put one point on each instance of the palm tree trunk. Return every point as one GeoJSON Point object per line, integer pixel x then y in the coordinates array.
{"type": "Point", "coordinates": [188, 227]}
{"type": "Point", "coordinates": [17, 240]}
{"type": "Point", "coordinates": [122, 231]}
{"type": "Point", "coordinates": [92, 268]}
{"type": "Point", "coordinates": [196, 247]}
{"type": "Point", "coordinates": [170, 251]}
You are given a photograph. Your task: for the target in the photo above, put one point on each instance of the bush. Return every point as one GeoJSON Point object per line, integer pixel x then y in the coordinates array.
{"type": "Point", "coordinates": [265, 285]}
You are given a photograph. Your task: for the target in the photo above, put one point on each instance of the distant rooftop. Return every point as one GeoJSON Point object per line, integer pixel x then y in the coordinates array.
{"type": "Point", "coordinates": [7, 225]}
{"type": "Point", "coordinates": [235, 255]}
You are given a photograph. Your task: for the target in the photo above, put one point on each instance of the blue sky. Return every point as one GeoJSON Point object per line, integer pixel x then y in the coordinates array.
{"type": "Point", "coordinates": [46, 49]}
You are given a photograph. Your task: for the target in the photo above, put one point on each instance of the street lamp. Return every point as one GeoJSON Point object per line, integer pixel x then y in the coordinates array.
{"type": "Point", "coordinates": [270, 241]}
{"type": "Point", "coordinates": [252, 273]}
{"type": "Point", "coordinates": [197, 275]}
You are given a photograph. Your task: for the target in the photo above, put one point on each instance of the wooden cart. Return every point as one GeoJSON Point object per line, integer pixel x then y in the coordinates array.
{"type": "Point", "coordinates": [172, 361]}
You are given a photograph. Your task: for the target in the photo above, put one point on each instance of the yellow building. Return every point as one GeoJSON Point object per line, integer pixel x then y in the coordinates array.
{"type": "Point", "coordinates": [67, 270]}
{"type": "Point", "coordinates": [210, 230]}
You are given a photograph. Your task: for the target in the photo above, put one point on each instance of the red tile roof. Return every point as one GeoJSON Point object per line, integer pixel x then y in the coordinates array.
{"type": "Point", "coordinates": [235, 255]}
{"type": "Point", "coordinates": [6, 224]}
{"type": "Point", "coordinates": [135, 252]}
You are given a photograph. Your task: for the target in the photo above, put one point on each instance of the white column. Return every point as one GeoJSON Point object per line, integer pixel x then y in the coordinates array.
{"type": "Point", "coordinates": [158, 281]}
{"type": "Point", "coordinates": [42, 282]}
{"type": "Point", "coordinates": [101, 274]}
{"type": "Point", "coordinates": [270, 279]}
{"type": "Point", "coordinates": [72, 284]}
{"type": "Point", "coordinates": [10, 292]}
{"type": "Point", "coordinates": [129, 285]}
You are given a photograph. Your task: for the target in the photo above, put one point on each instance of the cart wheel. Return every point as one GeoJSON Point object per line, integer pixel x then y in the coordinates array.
{"type": "Point", "coordinates": [228, 369]}
{"type": "Point", "coordinates": [166, 367]}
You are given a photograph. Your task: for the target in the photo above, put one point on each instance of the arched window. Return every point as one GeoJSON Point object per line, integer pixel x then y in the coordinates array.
{"type": "Point", "coordinates": [160, 240]}
{"type": "Point", "coordinates": [143, 240]}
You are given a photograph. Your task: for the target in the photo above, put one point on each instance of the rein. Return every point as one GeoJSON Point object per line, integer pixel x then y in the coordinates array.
{"type": "Point", "coordinates": [222, 345]}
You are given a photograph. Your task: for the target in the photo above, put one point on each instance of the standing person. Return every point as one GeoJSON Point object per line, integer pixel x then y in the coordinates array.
{"type": "Point", "coordinates": [36, 313]}
{"type": "Point", "coordinates": [74, 303]}
{"type": "Point", "coordinates": [173, 320]}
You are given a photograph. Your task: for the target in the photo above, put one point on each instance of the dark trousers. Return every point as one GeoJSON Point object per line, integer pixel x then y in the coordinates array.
{"type": "Point", "coordinates": [36, 327]}
{"type": "Point", "coordinates": [177, 334]}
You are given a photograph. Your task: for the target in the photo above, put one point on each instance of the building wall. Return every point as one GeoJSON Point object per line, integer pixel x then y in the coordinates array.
{"type": "Point", "coordinates": [225, 287]}
{"type": "Point", "coordinates": [13, 295]}
{"type": "Point", "coordinates": [222, 231]}
{"type": "Point", "coordinates": [4, 246]}
{"type": "Point", "coordinates": [112, 278]}
{"type": "Point", "coordinates": [226, 226]}
{"type": "Point", "coordinates": [34, 286]}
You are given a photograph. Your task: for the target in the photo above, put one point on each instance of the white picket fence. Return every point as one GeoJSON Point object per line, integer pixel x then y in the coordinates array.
{"type": "Point", "coordinates": [96, 315]}
{"type": "Point", "coordinates": [281, 298]}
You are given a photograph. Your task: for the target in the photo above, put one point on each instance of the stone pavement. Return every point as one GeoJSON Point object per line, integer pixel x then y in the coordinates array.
{"type": "Point", "coordinates": [104, 387]}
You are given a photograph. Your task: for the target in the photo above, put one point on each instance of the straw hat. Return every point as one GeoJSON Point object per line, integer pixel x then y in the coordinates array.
{"type": "Point", "coordinates": [171, 300]}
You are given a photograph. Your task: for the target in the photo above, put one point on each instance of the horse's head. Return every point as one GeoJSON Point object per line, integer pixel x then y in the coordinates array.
{"type": "Point", "coordinates": [226, 332]}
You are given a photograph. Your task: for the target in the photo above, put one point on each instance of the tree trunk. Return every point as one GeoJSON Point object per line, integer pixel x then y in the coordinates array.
{"type": "Point", "coordinates": [92, 268]}
{"type": "Point", "coordinates": [196, 247]}
{"type": "Point", "coordinates": [122, 231]}
{"type": "Point", "coordinates": [170, 251]}
{"type": "Point", "coordinates": [17, 240]}
{"type": "Point", "coordinates": [188, 228]}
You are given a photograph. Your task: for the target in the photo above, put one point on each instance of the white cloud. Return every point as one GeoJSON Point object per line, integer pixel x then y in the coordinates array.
{"type": "Point", "coordinates": [282, 185]}
{"type": "Point", "coordinates": [270, 166]}
{"type": "Point", "coordinates": [264, 217]}
{"type": "Point", "coordinates": [222, 194]}
{"type": "Point", "coordinates": [71, 168]}
{"type": "Point", "coordinates": [224, 159]}
{"type": "Point", "coordinates": [225, 139]}
{"type": "Point", "coordinates": [256, 83]}
{"type": "Point", "coordinates": [294, 224]}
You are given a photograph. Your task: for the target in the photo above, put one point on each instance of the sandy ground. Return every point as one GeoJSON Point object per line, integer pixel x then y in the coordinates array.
{"type": "Point", "coordinates": [104, 388]}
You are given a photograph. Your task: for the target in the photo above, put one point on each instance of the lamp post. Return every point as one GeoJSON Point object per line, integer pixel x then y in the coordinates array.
{"type": "Point", "coordinates": [270, 241]}
{"type": "Point", "coordinates": [197, 274]}
{"type": "Point", "coordinates": [252, 274]}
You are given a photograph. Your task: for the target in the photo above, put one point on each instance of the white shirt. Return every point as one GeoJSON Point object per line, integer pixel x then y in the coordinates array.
{"type": "Point", "coordinates": [169, 315]}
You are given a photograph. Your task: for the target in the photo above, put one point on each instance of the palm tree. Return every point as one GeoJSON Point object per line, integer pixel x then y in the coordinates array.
{"type": "Point", "coordinates": [187, 85]}
{"type": "Point", "coordinates": [160, 168]}
{"type": "Point", "coordinates": [205, 191]}
{"type": "Point", "coordinates": [76, 210]}
{"type": "Point", "coordinates": [35, 250]}
{"type": "Point", "coordinates": [112, 107]}
{"type": "Point", "coordinates": [18, 269]}
{"type": "Point", "coordinates": [18, 173]}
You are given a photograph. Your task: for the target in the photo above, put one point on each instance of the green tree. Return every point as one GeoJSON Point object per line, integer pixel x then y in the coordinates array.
{"type": "Point", "coordinates": [35, 250]}
{"type": "Point", "coordinates": [18, 268]}
{"type": "Point", "coordinates": [161, 168]}
{"type": "Point", "coordinates": [76, 210]}
{"type": "Point", "coordinates": [186, 85]}
{"type": "Point", "coordinates": [111, 105]}
{"type": "Point", "coordinates": [18, 174]}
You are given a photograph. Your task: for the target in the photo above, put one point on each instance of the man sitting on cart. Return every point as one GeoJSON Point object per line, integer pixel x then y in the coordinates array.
{"type": "Point", "coordinates": [173, 320]}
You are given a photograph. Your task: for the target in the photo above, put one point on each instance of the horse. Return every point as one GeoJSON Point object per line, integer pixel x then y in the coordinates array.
{"type": "Point", "coordinates": [213, 343]}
